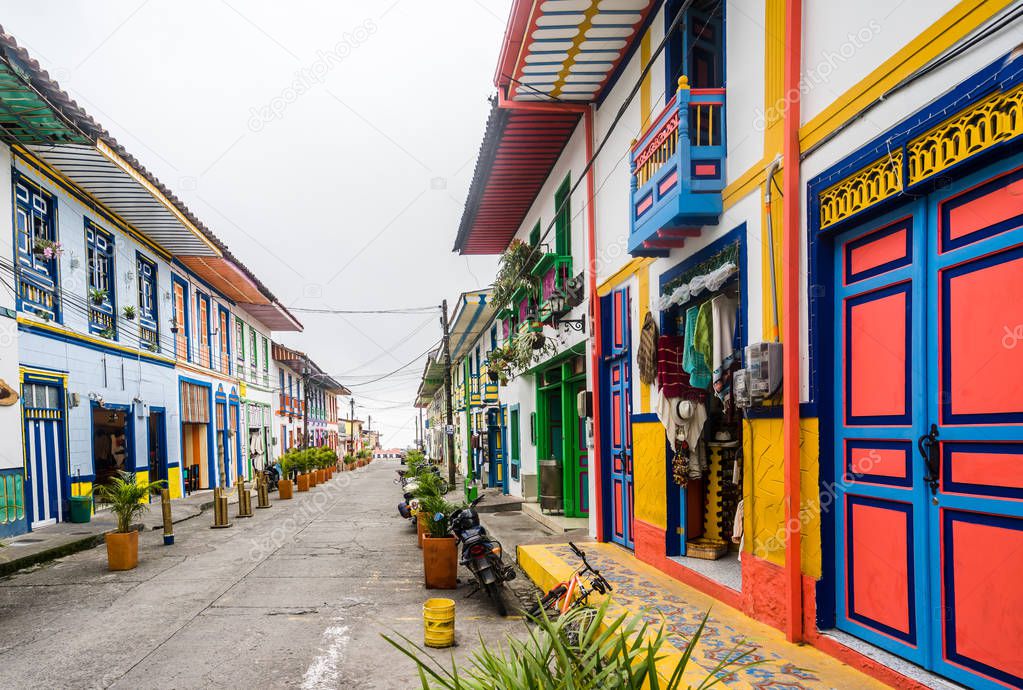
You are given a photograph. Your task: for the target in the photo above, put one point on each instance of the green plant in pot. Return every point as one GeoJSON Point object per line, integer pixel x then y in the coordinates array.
{"type": "Point", "coordinates": [285, 486]}
{"type": "Point", "coordinates": [97, 296]}
{"type": "Point", "coordinates": [129, 312]}
{"type": "Point", "coordinates": [125, 495]}
{"type": "Point", "coordinates": [440, 552]}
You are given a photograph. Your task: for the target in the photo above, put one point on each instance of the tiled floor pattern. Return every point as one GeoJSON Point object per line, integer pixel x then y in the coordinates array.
{"type": "Point", "coordinates": [639, 587]}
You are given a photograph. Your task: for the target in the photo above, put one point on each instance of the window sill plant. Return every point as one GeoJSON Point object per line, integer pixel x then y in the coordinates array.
{"type": "Point", "coordinates": [47, 249]}
{"type": "Point", "coordinates": [129, 312]}
{"type": "Point", "coordinates": [97, 297]}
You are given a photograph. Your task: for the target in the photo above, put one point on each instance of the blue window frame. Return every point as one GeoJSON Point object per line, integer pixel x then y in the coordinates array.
{"type": "Point", "coordinates": [182, 322]}
{"type": "Point", "coordinates": [203, 329]}
{"type": "Point", "coordinates": [224, 335]}
{"type": "Point", "coordinates": [102, 286]}
{"type": "Point", "coordinates": [35, 223]}
{"type": "Point", "coordinates": [148, 310]}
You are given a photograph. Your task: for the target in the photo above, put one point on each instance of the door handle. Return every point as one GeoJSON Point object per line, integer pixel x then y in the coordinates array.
{"type": "Point", "coordinates": [928, 447]}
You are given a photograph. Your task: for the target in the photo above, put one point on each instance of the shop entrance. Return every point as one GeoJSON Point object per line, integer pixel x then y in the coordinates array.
{"type": "Point", "coordinates": [496, 435]}
{"type": "Point", "coordinates": [195, 435]}
{"type": "Point", "coordinates": [559, 437]}
{"type": "Point", "coordinates": [928, 429]}
{"type": "Point", "coordinates": [113, 443]}
{"type": "Point", "coordinates": [157, 442]}
{"type": "Point", "coordinates": [698, 349]}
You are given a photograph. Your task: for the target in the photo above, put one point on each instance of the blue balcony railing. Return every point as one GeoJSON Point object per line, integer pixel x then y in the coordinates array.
{"type": "Point", "coordinates": [678, 171]}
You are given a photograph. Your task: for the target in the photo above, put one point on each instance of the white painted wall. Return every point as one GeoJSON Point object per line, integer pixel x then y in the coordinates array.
{"type": "Point", "coordinates": [844, 41]}
{"type": "Point", "coordinates": [10, 417]}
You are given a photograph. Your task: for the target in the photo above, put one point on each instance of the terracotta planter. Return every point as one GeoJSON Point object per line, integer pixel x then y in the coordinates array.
{"type": "Point", "coordinates": [122, 550]}
{"type": "Point", "coordinates": [440, 562]}
{"type": "Point", "coordinates": [323, 476]}
{"type": "Point", "coordinates": [285, 488]}
{"type": "Point", "coordinates": [314, 478]}
{"type": "Point", "coordinates": [420, 529]}
{"type": "Point", "coordinates": [303, 482]}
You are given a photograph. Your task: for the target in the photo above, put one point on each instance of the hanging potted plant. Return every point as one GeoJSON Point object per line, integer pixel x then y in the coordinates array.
{"type": "Point", "coordinates": [47, 249]}
{"type": "Point", "coordinates": [97, 296]}
{"type": "Point", "coordinates": [125, 496]}
{"type": "Point", "coordinates": [129, 312]}
{"type": "Point", "coordinates": [108, 333]}
{"type": "Point", "coordinates": [285, 486]}
{"type": "Point", "coordinates": [440, 553]}
{"type": "Point", "coordinates": [173, 326]}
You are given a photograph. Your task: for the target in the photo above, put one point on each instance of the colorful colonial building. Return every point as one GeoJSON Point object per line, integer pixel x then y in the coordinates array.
{"type": "Point", "coordinates": [132, 332]}
{"type": "Point", "coordinates": [801, 240]}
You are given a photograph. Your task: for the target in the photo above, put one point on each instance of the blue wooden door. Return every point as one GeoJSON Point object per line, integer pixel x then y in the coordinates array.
{"type": "Point", "coordinates": [45, 453]}
{"type": "Point", "coordinates": [619, 386]}
{"type": "Point", "coordinates": [929, 430]}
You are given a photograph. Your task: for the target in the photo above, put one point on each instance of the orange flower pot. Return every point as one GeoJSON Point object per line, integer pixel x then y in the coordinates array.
{"type": "Point", "coordinates": [285, 487]}
{"type": "Point", "coordinates": [440, 562]}
{"type": "Point", "coordinates": [420, 529]}
{"type": "Point", "coordinates": [314, 478]}
{"type": "Point", "coordinates": [303, 482]}
{"type": "Point", "coordinates": [122, 550]}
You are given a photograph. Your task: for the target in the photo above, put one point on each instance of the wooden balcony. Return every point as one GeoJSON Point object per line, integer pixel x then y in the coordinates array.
{"type": "Point", "coordinates": [678, 172]}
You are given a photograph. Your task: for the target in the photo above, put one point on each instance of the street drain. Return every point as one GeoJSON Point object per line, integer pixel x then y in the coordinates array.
{"type": "Point", "coordinates": [22, 542]}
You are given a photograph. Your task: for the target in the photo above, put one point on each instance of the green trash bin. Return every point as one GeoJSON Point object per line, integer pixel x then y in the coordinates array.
{"type": "Point", "coordinates": [81, 509]}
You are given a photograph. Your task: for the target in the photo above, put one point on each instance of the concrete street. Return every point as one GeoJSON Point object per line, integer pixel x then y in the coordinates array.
{"type": "Point", "coordinates": [296, 596]}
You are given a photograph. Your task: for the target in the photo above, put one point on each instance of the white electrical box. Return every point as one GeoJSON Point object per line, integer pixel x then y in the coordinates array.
{"type": "Point", "coordinates": [761, 379]}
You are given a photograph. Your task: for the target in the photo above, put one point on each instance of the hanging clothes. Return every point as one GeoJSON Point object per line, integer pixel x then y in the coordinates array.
{"type": "Point", "coordinates": [693, 361]}
{"type": "Point", "coordinates": [646, 354]}
{"type": "Point", "coordinates": [738, 526]}
{"type": "Point", "coordinates": [671, 377]}
{"type": "Point", "coordinates": [723, 311]}
{"type": "Point", "coordinates": [683, 422]}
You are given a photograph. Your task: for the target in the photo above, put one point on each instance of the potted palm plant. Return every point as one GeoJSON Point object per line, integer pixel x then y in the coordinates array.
{"type": "Point", "coordinates": [125, 496]}
{"type": "Point", "coordinates": [129, 312]}
{"type": "Point", "coordinates": [302, 466]}
{"type": "Point", "coordinates": [440, 553]}
{"type": "Point", "coordinates": [97, 296]}
{"type": "Point", "coordinates": [285, 486]}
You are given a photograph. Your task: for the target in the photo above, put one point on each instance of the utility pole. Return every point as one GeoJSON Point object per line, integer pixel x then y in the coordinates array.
{"type": "Point", "coordinates": [421, 444]}
{"type": "Point", "coordinates": [351, 424]}
{"type": "Point", "coordinates": [450, 423]}
{"type": "Point", "coordinates": [305, 395]}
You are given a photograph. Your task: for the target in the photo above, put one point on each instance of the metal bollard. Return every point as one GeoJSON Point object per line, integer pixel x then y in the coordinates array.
{"type": "Point", "coordinates": [168, 524]}
{"type": "Point", "coordinates": [220, 509]}
{"type": "Point", "coordinates": [262, 492]}
{"type": "Point", "coordinates": [244, 500]}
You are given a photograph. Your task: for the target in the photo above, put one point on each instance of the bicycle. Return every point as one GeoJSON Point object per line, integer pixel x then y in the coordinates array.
{"type": "Point", "coordinates": [573, 593]}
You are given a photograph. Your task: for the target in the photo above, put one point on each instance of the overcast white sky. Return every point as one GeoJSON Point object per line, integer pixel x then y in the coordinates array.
{"type": "Point", "coordinates": [329, 144]}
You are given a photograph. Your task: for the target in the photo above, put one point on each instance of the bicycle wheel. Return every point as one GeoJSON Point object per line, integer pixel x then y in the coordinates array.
{"type": "Point", "coordinates": [548, 601]}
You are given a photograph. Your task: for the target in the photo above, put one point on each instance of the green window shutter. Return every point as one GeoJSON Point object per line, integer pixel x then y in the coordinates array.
{"type": "Point", "coordinates": [563, 220]}
{"type": "Point", "coordinates": [534, 235]}
{"type": "Point", "coordinates": [515, 441]}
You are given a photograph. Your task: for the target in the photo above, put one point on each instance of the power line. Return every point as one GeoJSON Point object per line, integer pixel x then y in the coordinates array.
{"type": "Point", "coordinates": [398, 310]}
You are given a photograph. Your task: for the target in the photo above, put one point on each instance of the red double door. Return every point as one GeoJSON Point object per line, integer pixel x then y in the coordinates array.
{"type": "Point", "coordinates": [928, 420]}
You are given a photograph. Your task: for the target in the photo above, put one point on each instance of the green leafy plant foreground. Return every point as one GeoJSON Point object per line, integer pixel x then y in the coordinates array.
{"type": "Point", "coordinates": [583, 650]}
{"type": "Point", "coordinates": [125, 495]}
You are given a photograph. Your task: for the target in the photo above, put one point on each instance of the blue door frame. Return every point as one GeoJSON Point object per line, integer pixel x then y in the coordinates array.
{"type": "Point", "coordinates": [616, 379]}
{"type": "Point", "coordinates": [45, 430]}
{"type": "Point", "coordinates": [161, 441]}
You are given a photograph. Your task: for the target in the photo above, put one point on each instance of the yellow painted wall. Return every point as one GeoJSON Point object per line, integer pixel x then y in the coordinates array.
{"type": "Point", "coordinates": [82, 489]}
{"type": "Point", "coordinates": [142, 477]}
{"type": "Point", "coordinates": [649, 473]}
{"type": "Point", "coordinates": [174, 481]}
{"type": "Point", "coordinates": [764, 492]}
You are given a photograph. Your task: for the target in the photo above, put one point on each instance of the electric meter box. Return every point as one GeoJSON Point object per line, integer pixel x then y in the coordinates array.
{"type": "Point", "coordinates": [761, 379]}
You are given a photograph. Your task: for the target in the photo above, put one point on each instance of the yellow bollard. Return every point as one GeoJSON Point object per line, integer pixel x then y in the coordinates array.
{"type": "Point", "coordinates": [244, 500]}
{"type": "Point", "coordinates": [262, 492]}
{"type": "Point", "coordinates": [220, 509]}
{"type": "Point", "coordinates": [168, 523]}
{"type": "Point", "coordinates": [439, 622]}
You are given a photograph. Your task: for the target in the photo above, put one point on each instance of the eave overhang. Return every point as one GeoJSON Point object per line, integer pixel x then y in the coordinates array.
{"type": "Point", "coordinates": [473, 314]}
{"type": "Point", "coordinates": [567, 50]}
{"type": "Point", "coordinates": [520, 147]}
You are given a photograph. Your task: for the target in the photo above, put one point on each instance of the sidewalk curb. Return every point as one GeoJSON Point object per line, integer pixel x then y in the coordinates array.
{"type": "Point", "coordinates": [52, 553]}
{"type": "Point", "coordinates": [84, 543]}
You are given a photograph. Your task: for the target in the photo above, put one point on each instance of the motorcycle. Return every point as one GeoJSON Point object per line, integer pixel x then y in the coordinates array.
{"type": "Point", "coordinates": [481, 553]}
{"type": "Point", "coordinates": [272, 474]}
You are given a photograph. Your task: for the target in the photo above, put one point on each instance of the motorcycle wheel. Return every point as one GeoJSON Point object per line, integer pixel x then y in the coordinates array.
{"type": "Point", "coordinates": [495, 592]}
